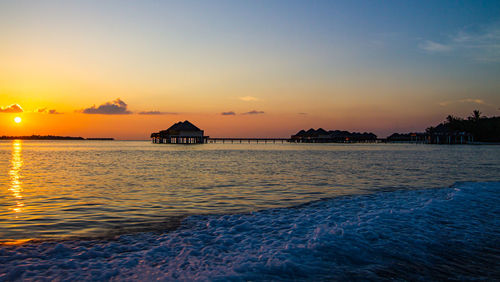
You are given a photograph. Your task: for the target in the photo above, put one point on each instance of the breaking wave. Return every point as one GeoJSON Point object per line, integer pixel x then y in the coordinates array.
{"type": "Point", "coordinates": [440, 233]}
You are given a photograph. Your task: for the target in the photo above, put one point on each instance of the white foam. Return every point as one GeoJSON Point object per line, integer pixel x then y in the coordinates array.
{"type": "Point", "coordinates": [449, 232]}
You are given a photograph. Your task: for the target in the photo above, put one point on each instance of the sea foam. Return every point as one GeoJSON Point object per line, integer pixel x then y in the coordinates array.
{"type": "Point", "coordinates": [433, 233]}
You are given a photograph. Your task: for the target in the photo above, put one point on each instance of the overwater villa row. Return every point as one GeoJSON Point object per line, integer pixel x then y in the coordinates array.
{"type": "Point", "coordinates": [473, 130]}
{"type": "Point", "coordinates": [187, 133]}
{"type": "Point", "coordinates": [333, 136]}
{"type": "Point", "coordinates": [436, 137]}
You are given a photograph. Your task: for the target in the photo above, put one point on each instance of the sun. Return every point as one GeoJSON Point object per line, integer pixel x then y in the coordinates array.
{"type": "Point", "coordinates": [17, 119]}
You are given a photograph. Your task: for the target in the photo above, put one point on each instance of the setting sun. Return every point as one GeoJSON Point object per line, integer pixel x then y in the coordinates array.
{"type": "Point", "coordinates": [17, 119]}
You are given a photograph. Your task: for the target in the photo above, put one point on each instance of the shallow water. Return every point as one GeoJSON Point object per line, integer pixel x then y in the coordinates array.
{"type": "Point", "coordinates": [61, 189]}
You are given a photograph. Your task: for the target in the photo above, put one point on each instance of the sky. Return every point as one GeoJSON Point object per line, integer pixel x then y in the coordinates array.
{"type": "Point", "coordinates": [124, 69]}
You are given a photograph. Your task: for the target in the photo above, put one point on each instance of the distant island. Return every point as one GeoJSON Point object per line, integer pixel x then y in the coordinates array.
{"type": "Point", "coordinates": [49, 137]}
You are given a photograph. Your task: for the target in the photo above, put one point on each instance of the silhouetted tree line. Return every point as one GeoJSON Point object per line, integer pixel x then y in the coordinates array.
{"type": "Point", "coordinates": [482, 128]}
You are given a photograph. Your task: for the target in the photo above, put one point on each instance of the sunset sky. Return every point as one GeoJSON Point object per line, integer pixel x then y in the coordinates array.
{"type": "Point", "coordinates": [124, 69]}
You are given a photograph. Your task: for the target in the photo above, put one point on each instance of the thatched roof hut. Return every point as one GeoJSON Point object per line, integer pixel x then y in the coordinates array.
{"type": "Point", "coordinates": [182, 132]}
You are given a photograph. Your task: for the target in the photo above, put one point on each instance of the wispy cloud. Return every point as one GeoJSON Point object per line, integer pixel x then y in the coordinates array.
{"type": "Point", "coordinates": [254, 112]}
{"type": "Point", "coordinates": [481, 44]}
{"type": "Point", "coordinates": [230, 113]}
{"type": "Point", "coordinates": [156, 113]}
{"type": "Point", "coordinates": [249, 99]}
{"type": "Point", "coordinates": [463, 101]}
{"type": "Point", "coordinates": [14, 108]}
{"type": "Point", "coordinates": [434, 47]}
{"type": "Point", "coordinates": [47, 111]}
{"type": "Point", "coordinates": [116, 107]}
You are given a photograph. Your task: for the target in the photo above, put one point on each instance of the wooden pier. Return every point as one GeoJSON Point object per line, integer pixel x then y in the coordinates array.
{"type": "Point", "coordinates": [232, 140]}
{"type": "Point", "coordinates": [187, 133]}
{"type": "Point", "coordinates": [247, 140]}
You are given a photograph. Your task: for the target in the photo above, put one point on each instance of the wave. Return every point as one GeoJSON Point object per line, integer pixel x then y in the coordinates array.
{"type": "Point", "coordinates": [413, 235]}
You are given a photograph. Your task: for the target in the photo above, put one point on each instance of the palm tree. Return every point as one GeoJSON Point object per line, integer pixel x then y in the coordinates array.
{"type": "Point", "coordinates": [476, 115]}
{"type": "Point", "coordinates": [450, 119]}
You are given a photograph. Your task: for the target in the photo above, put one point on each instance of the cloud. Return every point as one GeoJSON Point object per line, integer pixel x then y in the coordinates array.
{"type": "Point", "coordinates": [116, 107]}
{"type": "Point", "coordinates": [434, 47]}
{"type": "Point", "coordinates": [47, 111]}
{"type": "Point", "coordinates": [249, 99]}
{"type": "Point", "coordinates": [14, 108]}
{"type": "Point", "coordinates": [476, 101]}
{"type": "Point", "coordinates": [463, 101]}
{"type": "Point", "coordinates": [254, 112]}
{"type": "Point", "coordinates": [230, 113]}
{"type": "Point", "coordinates": [480, 44]}
{"type": "Point", "coordinates": [156, 113]}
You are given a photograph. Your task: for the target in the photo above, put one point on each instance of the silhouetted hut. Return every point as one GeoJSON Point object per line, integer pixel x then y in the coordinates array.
{"type": "Point", "coordinates": [180, 133]}
{"type": "Point", "coordinates": [443, 134]}
{"type": "Point", "coordinates": [322, 134]}
{"type": "Point", "coordinates": [412, 137]}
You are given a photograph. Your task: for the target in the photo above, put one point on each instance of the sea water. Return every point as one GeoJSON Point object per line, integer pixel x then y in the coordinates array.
{"type": "Point", "coordinates": [135, 210]}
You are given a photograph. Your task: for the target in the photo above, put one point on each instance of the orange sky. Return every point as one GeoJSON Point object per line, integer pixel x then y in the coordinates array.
{"type": "Point", "coordinates": [293, 66]}
{"type": "Point", "coordinates": [139, 127]}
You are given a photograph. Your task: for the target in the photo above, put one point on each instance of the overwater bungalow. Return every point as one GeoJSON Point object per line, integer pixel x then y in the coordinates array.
{"type": "Point", "coordinates": [412, 137]}
{"type": "Point", "coordinates": [444, 134]}
{"type": "Point", "coordinates": [180, 133]}
{"type": "Point", "coordinates": [333, 136]}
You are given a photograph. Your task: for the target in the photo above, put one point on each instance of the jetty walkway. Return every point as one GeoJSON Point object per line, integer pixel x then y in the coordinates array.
{"type": "Point", "coordinates": [249, 140]}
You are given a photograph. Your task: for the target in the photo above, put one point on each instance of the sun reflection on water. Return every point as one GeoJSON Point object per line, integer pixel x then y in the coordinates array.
{"type": "Point", "coordinates": [16, 163]}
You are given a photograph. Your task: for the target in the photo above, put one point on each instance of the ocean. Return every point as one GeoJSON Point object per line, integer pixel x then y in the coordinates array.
{"type": "Point", "coordinates": [127, 210]}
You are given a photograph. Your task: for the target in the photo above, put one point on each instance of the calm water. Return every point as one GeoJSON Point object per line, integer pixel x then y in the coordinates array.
{"type": "Point", "coordinates": [56, 189]}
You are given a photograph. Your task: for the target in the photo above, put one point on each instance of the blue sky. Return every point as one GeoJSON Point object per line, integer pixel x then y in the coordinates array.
{"type": "Point", "coordinates": [415, 60]}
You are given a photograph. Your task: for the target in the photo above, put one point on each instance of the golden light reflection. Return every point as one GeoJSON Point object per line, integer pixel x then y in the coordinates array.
{"type": "Point", "coordinates": [16, 163]}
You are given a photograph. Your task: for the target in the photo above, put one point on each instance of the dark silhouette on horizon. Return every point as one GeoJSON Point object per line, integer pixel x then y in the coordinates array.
{"type": "Point", "coordinates": [180, 133]}
{"type": "Point", "coordinates": [479, 128]}
{"type": "Point", "coordinates": [39, 137]}
{"type": "Point", "coordinates": [475, 129]}
{"type": "Point", "coordinates": [333, 136]}
{"type": "Point", "coordinates": [418, 137]}
{"type": "Point", "coordinates": [51, 137]}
